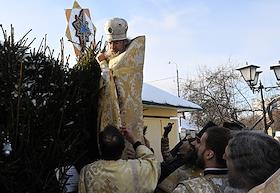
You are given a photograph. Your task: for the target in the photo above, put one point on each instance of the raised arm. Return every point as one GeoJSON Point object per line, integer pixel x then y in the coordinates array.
{"type": "Point", "coordinates": [165, 151]}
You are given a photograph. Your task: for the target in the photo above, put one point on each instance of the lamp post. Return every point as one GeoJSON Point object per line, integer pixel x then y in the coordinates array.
{"type": "Point", "coordinates": [251, 76]}
{"type": "Point", "coordinates": [177, 78]}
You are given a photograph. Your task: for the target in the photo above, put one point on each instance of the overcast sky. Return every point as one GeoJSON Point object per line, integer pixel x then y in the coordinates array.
{"type": "Point", "coordinates": [190, 33]}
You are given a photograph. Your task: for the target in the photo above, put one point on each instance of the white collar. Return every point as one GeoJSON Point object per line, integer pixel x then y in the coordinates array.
{"type": "Point", "coordinates": [207, 169]}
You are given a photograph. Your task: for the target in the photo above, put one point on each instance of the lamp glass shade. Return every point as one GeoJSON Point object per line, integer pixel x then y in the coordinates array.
{"type": "Point", "coordinates": [276, 70]}
{"type": "Point", "coordinates": [255, 81]}
{"type": "Point", "coordinates": [248, 72]}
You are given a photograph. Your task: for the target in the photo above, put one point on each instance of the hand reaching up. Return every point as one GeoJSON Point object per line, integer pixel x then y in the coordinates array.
{"type": "Point", "coordinates": [128, 134]}
{"type": "Point", "coordinates": [167, 129]}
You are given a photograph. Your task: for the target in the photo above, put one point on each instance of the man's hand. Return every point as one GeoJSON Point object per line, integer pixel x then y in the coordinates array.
{"type": "Point", "coordinates": [128, 134]}
{"type": "Point", "coordinates": [167, 129]}
{"type": "Point", "coordinates": [100, 57]}
{"type": "Point", "coordinates": [130, 153]}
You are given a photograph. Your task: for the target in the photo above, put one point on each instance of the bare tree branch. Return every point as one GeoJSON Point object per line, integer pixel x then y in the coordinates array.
{"type": "Point", "coordinates": [216, 91]}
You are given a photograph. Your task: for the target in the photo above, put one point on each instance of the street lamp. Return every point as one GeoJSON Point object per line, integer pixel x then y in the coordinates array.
{"type": "Point", "coordinates": [177, 78]}
{"type": "Point", "coordinates": [251, 76]}
{"type": "Point", "coordinates": [276, 69]}
{"type": "Point", "coordinates": [248, 72]}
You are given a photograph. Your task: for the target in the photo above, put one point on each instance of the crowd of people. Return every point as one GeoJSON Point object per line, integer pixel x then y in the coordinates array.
{"type": "Point", "coordinates": [218, 159]}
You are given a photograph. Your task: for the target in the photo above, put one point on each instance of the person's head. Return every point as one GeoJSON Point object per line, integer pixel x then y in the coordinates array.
{"type": "Point", "coordinates": [187, 152]}
{"type": "Point", "coordinates": [189, 146]}
{"type": "Point", "coordinates": [111, 143]}
{"type": "Point", "coordinates": [115, 30]}
{"type": "Point", "coordinates": [196, 141]}
{"type": "Point", "coordinates": [251, 158]}
{"type": "Point", "coordinates": [206, 126]}
{"type": "Point", "coordinates": [212, 147]}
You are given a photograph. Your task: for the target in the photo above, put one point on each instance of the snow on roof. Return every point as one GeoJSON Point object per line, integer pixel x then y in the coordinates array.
{"type": "Point", "coordinates": [154, 96]}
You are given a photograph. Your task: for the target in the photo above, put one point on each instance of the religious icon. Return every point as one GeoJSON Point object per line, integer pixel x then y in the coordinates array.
{"type": "Point", "coordinates": [80, 29]}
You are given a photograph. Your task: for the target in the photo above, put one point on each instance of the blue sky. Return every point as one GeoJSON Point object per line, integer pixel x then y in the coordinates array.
{"type": "Point", "coordinates": [190, 33]}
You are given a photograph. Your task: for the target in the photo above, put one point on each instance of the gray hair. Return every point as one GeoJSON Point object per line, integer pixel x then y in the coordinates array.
{"type": "Point", "coordinates": [255, 156]}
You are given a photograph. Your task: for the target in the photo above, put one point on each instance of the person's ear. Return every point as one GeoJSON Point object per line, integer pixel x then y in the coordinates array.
{"type": "Point", "coordinates": [209, 154]}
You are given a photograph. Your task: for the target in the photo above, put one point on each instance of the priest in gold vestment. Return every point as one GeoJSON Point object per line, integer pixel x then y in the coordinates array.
{"type": "Point", "coordinates": [113, 174]}
{"type": "Point", "coordinates": [120, 101]}
{"type": "Point", "coordinates": [271, 185]}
